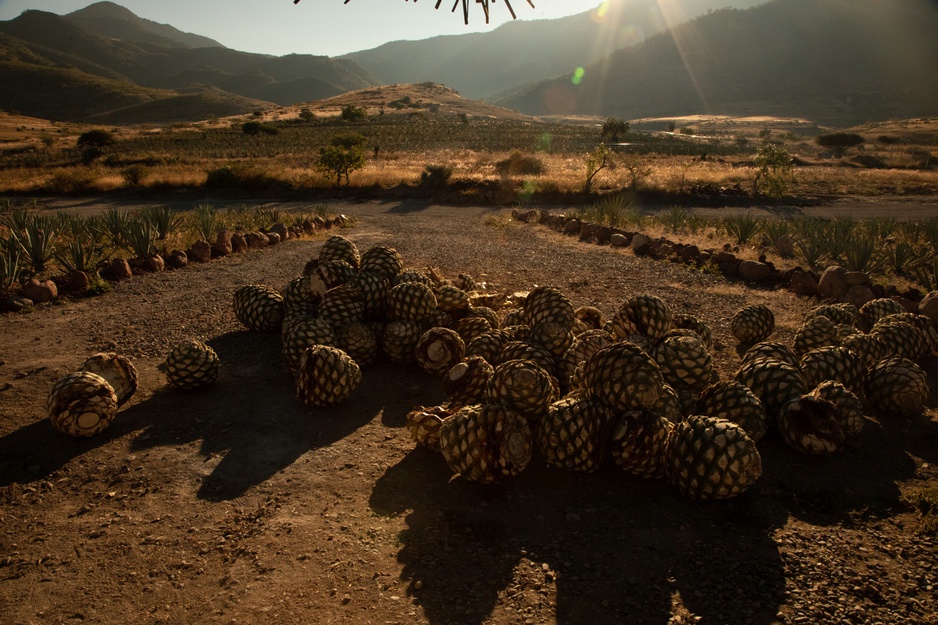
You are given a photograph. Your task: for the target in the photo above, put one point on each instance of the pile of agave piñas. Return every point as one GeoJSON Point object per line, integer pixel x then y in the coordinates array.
{"type": "Point", "coordinates": [578, 388]}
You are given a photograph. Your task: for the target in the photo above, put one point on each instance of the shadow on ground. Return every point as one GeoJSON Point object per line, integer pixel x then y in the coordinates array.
{"type": "Point", "coordinates": [250, 417]}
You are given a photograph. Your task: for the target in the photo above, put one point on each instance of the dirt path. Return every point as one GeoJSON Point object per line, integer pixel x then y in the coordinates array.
{"type": "Point", "coordinates": [237, 504]}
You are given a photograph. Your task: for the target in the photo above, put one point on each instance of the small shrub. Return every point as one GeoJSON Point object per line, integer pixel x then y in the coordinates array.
{"type": "Point", "coordinates": [65, 181]}
{"type": "Point", "coordinates": [133, 176]}
{"type": "Point", "coordinates": [519, 164]}
{"type": "Point", "coordinates": [243, 177]}
{"type": "Point", "coordinates": [253, 128]}
{"type": "Point", "coordinates": [435, 177]}
{"type": "Point", "coordinates": [352, 113]}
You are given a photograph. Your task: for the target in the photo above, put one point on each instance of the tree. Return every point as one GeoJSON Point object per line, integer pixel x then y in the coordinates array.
{"type": "Point", "coordinates": [307, 115]}
{"type": "Point", "coordinates": [775, 166]}
{"type": "Point", "coordinates": [96, 138]}
{"type": "Point", "coordinates": [343, 155]}
{"type": "Point", "coordinates": [839, 142]}
{"type": "Point", "coordinates": [598, 160]}
{"type": "Point", "coordinates": [614, 128]}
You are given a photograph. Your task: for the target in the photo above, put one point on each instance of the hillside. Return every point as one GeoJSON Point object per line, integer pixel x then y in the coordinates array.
{"type": "Point", "coordinates": [483, 65]}
{"type": "Point", "coordinates": [837, 63]}
{"type": "Point", "coordinates": [111, 20]}
{"type": "Point", "coordinates": [45, 55]}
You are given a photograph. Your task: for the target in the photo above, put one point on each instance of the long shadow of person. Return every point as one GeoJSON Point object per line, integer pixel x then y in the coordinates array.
{"type": "Point", "coordinates": [600, 548]}
{"type": "Point", "coordinates": [249, 417]}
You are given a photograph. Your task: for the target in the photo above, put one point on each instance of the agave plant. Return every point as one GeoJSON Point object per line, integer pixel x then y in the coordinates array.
{"type": "Point", "coordinates": [18, 218]}
{"type": "Point", "coordinates": [926, 272]}
{"type": "Point", "coordinates": [37, 241]}
{"type": "Point", "coordinates": [205, 221]}
{"type": "Point", "coordinates": [674, 219]}
{"type": "Point", "coordinates": [11, 268]}
{"type": "Point", "coordinates": [930, 228]}
{"type": "Point", "coordinates": [881, 227]}
{"type": "Point", "coordinates": [80, 255]}
{"type": "Point", "coordinates": [811, 249]}
{"type": "Point", "coordinates": [742, 227]}
{"type": "Point", "coordinates": [777, 234]}
{"type": "Point", "coordinates": [610, 211]}
{"type": "Point", "coordinates": [141, 236]}
{"type": "Point", "coordinates": [900, 257]}
{"type": "Point", "coordinates": [861, 255]}
{"type": "Point", "coordinates": [164, 220]}
{"type": "Point", "coordinates": [114, 221]}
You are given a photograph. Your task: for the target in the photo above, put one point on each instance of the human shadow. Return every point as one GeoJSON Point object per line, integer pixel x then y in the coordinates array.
{"type": "Point", "coordinates": [599, 548]}
{"type": "Point", "coordinates": [249, 417]}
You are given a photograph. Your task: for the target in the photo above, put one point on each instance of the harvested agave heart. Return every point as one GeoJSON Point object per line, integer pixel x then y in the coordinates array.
{"type": "Point", "coordinates": [81, 404]}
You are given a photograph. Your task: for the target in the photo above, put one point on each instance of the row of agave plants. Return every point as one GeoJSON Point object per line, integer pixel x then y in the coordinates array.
{"type": "Point", "coordinates": [880, 246]}
{"type": "Point", "coordinates": [39, 245]}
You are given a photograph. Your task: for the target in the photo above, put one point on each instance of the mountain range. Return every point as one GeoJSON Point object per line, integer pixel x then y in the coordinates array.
{"type": "Point", "coordinates": [111, 66]}
{"type": "Point", "coordinates": [523, 53]}
{"type": "Point", "coordinates": [835, 62]}
{"type": "Point", "coordinates": [838, 63]}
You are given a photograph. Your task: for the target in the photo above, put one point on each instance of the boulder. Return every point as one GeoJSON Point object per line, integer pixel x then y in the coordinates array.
{"type": "Point", "coordinates": [154, 263]}
{"type": "Point", "coordinates": [603, 234]}
{"type": "Point", "coordinates": [238, 244]}
{"type": "Point", "coordinates": [856, 278]}
{"type": "Point", "coordinates": [17, 303]}
{"type": "Point", "coordinates": [273, 238]}
{"type": "Point", "coordinates": [222, 245]}
{"type": "Point", "coordinates": [618, 240]}
{"type": "Point", "coordinates": [257, 239]}
{"type": "Point", "coordinates": [929, 306]}
{"type": "Point", "coordinates": [690, 254]}
{"type": "Point", "coordinates": [281, 230]}
{"type": "Point", "coordinates": [754, 271]}
{"type": "Point", "coordinates": [587, 230]}
{"type": "Point", "coordinates": [118, 269]}
{"type": "Point", "coordinates": [833, 282]}
{"type": "Point", "coordinates": [177, 259]}
{"type": "Point", "coordinates": [572, 227]}
{"type": "Point", "coordinates": [40, 292]}
{"type": "Point", "coordinates": [803, 283]}
{"type": "Point", "coordinates": [641, 244]}
{"type": "Point", "coordinates": [77, 281]}
{"type": "Point", "coordinates": [200, 252]}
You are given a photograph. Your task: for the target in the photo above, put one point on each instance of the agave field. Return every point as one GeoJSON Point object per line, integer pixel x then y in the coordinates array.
{"type": "Point", "coordinates": [889, 249]}
{"type": "Point", "coordinates": [37, 245]}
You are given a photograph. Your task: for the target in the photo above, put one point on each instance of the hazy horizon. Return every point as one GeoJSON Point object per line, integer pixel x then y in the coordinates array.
{"type": "Point", "coordinates": [320, 27]}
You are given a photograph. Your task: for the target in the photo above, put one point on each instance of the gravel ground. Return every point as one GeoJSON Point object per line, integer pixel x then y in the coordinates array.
{"type": "Point", "coordinates": [237, 504]}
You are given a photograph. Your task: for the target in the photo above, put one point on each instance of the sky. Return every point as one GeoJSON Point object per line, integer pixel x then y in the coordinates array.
{"type": "Point", "coordinates": [322, 27]}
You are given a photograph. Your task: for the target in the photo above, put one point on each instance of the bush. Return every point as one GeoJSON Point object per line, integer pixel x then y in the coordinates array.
{"type": "Point", "coordinates": [352, 113]}
{"type": "Point", "coordinates": [133, 176]}
{"type": "Point", "coordinates": [518, 164]}
{"type": "Point", "coordinates": [255, 128]}
{"type": "Point", "coordinates": [839, 142]}
{"type": "Point", "coordinates": [435, 177]}
{"type": "Point", "coordinates": [70, 180]}
{"type": "Point", "coordinates": [239, 177]}
{"type": "Point", "coordinates": [775, 167]}
{"type": "Point", "coordinates": [98, 138]}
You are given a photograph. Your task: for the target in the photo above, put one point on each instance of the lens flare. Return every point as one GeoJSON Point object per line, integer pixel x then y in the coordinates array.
{"type": "Point", "coordinates": [578, 75]}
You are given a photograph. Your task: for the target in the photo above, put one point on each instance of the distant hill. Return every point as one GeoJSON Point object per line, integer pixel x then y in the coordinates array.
{"type": "Point", "coordinates": [838, 63]}
{"type": "Point", "coordinates": [112, 20]}
{"type": "Point", "coordinates": [115, 75]}
{"type": "Point", "coordinates": [483, 65]}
